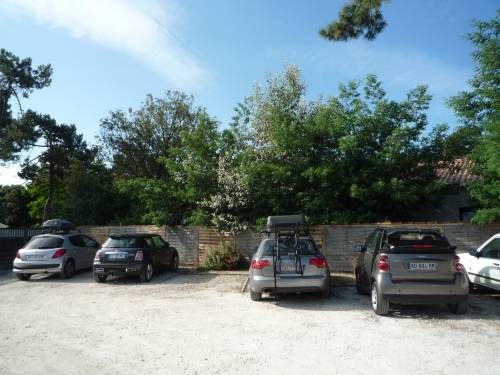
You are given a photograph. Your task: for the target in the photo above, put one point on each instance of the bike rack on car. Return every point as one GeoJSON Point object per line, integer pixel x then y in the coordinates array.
{"type": "Point", "coordinates": [286, 228]}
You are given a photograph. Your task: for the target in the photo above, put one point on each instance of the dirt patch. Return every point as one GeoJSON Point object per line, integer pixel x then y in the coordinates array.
{"type": "Point", "coordinates": [198, 323]}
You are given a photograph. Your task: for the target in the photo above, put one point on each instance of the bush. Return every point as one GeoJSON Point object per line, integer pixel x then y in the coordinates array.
{"type": "Point", "coordinates": [223, 257]}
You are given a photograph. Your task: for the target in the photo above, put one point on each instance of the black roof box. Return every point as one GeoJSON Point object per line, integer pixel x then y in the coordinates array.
{"type": "Point", "coordinates": [286, 222]}
{"type": "Point", "coordinates": [58, 225]}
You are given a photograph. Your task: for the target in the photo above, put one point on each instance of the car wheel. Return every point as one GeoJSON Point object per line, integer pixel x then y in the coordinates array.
{"type": "Point", "coordinates": [68, 270]}
{"type": "Point", "coordinates": [23, 276]}
{"type": "Point", "coordinates": [325, 292]}
{"type": "Point", "coordinates": [100, 278]}
{"type": "Point", "coordinates": [359, 287]}
{"type": "Point", "coordinates": [255, 296]}
{"type": "Point", "coordinates": [459, 308]}
{"type": "Point", "coordinates": [379, 303]}
{"type": "Point", "coordinates": [147, 272]}
{"type": "Point", "coordinates": [175, 263]}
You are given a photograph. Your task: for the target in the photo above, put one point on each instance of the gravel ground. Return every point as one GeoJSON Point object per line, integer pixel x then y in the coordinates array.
{"type": "Point", "coordinates": [188, 323]}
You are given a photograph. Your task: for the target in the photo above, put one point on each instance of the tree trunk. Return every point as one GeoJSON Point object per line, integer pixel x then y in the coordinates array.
{"type": "Point", "coordinates": [47, 210]}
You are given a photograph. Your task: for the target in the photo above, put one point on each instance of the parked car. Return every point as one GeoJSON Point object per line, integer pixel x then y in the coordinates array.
{"type": "Point", "coordinates": [288, 261]}
{"type": "Point", "coordinates": [134, 254]}
{"type": "Point", "coordinates": [62, 253]}
{"type": "Point", "coordinates": [483, 265]}
{"type": "Point", "coordinates": [410, 266]}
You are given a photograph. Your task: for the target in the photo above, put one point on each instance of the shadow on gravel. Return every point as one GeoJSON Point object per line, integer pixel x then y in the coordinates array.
{"type": "Point", "coordinates": [86, 276]}
{"type": "Point", "coordinates": [341, 299]}
{"type": "Point", "coordinates": [483, 305]}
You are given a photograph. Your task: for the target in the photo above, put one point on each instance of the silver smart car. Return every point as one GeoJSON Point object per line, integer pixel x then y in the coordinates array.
{"type": "Point", "coordinates": [288, 261]}
{"type": "Point", "coordinates": [55, 253]}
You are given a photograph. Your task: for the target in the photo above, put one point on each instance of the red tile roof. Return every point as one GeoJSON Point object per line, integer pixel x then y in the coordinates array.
{"type": "Point", "coordinates": [458, 172]}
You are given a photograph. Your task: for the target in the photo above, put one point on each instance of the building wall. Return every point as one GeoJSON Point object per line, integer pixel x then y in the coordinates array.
{"type": "Point", "coordinates": [448, 208]}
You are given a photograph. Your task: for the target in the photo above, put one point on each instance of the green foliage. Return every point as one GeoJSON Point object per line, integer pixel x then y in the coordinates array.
{"type": "Point", "coordinates": [14, 202]}
{"type": "Point", "coordinates": [164, 158]}
{"type": "Point", "coordinates": [223, 257]}
{"type": "Point", "coordinates": [478, 110]}
{"type": "Point", "coordinates": [356, 157]}
{"type": "Point", "coordinates": [356, 18]}
{"type": "Point", "coordinates": [17, 79]}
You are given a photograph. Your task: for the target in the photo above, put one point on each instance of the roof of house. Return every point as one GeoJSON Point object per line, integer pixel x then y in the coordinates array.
{"type": "Point", "coordinates": [458, 172]}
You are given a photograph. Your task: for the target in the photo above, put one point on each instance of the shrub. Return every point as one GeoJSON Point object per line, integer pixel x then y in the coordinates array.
{"type": "Point", "coordinates": [223, 257]}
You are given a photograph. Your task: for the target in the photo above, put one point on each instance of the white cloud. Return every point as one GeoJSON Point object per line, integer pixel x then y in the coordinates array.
{"type": "Point", "coordinates": [140, 28]}
{"type": "Point", "coordinates": [8, 175]}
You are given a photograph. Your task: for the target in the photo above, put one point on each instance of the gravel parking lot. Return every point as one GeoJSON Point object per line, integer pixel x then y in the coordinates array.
{"type": "Point", "coordinates": [198, 323]}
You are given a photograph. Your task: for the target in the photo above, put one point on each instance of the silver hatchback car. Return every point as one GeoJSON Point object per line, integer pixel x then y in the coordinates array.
{"type": "Point", "coordinates": [55, 253]}
{"type": "Point", "coordinates": [288, 261]}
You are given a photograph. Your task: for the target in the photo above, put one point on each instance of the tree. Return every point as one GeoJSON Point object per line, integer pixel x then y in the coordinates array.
{"type": "Point", "coordinates": [88, 195]}
{"type": "Point", "coordinates": [163, 156]}
{"type": "Point", "coordinates": [356, 18]}
{"type": "Point", "coordinates": [14, 202]}
{"type": "Point", "coordinates": [18, 78]}
{"type": "Point", "coordinates": [356, 157]}
{"type": "Point", "coordinates": [478, 110]}
{"type": "Point", "coordinates": [59, 143]}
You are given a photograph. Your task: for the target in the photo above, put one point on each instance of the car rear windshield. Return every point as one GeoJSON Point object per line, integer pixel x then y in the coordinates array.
{"type": "Point", "coordinates": [123, 242]}
{"type": "Point", "coordinates": [412, 242]}
{"type": "Point", "coordinates": [304, 247]}
{"type": "Point", "coordinates": [45, 242]}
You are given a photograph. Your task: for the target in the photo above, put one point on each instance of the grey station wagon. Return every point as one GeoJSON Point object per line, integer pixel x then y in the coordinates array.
{"type": "Point", "coordinates": [288, 261]}
{"type": "Point", "coordinates": [410, 266]}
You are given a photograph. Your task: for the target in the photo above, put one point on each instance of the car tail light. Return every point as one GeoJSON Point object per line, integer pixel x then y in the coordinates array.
{"type": "Point", "coordinates": [318, 262]}
{"type": "Point", "coordinates": [459, 267]}
{"type": "Point", "coordinates": [18, 255]}
{"type": "Point", "coordinates": [139, 255]}
{"type": "Point", "coordinates": [259, 264]}
{"type": "Point", "coordinates": [59, 253]}
{"type": "Point", "coordinates": [383, 264]}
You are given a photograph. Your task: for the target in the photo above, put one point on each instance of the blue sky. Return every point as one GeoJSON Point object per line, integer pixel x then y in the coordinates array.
{"type": "Point", "coordinates": [108, 54]}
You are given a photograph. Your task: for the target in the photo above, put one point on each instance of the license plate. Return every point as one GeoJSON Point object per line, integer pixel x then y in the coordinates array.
{"type": "Point", "coordinates": [117, 256]}
{"type": "Point", "coordinates": [288, 267]}
{"type": "Point", "coordinates": [35, 257]}
{"type": "Point", "coordinates": [422, 266]}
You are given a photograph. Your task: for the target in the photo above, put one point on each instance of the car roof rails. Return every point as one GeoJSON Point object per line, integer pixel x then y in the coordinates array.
{"type": "Point", "coordinates": [59, 226]}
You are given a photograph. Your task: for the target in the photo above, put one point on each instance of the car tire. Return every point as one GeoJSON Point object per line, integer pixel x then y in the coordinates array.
{"type": "Point", "coordinates": [68, 270]}
{"type": "Point", "coordinates": [359, 287]}
{"type": "Point", "coordinates": [255, 296]}
{"type": "Point", "coordinates": [147, 273]}
{"type": "Point", "coordinates": [175, 263]}
{"type": "Point", "coordinates": [23, 276]}
{"type": "Point", "coordinates": [379, 303]}
{"type": "Point", "coordinates": [325, 292]}
{"type": "Point", "coordinates": [100, 278]}
{"type": "Point", "coordinates": [458, 308]}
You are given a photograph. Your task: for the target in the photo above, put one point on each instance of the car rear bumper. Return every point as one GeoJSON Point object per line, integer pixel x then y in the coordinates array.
{"type": "Point", "coordinates": [117, 269]}
{"type": "Point", "coordinates": [289, 284]}
{"type": "Point", "coordinates": [424, 291]}
{"type": "Point", "coordinates": [37, 267]}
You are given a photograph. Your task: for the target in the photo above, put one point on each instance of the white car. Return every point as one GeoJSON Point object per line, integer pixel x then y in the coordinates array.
{"type": "Point", "coordinates": [483, 265]}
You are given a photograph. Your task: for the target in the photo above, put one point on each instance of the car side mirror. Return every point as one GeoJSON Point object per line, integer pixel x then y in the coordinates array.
{"type": "Point", "coordinates": [453, 248]}
{"type": "Point", "coordinates": [358, 248]}
{"type": "Point", "coordinates": [167, 244]}
{"type": "Point", "coordinates": [474, 253]}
